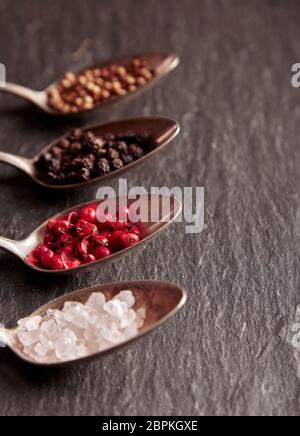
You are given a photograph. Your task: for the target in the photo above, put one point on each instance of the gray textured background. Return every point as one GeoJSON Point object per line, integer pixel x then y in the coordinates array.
{"type": "Point", "coordinates": [226, 351]}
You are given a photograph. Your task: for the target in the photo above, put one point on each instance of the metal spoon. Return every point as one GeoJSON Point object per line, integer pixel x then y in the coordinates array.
{"type": "Point", "coordinates": [161, 63]}
{"type": "Point", "coordinates": [161, 301]}
{"type": "Point", "coordinates": [166, 208]}
{"type": "Point", "coordinates": [161, 130]}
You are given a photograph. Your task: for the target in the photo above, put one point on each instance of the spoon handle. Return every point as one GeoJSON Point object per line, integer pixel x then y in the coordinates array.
{"type": "Point", "coordinates": [19, 162]}
{"type": "Point", "coordinates": [3, 336]}
{"type": "Point", "coordinates": [10, 245]}
{"type": "Point", "coordinates": [20, 91]}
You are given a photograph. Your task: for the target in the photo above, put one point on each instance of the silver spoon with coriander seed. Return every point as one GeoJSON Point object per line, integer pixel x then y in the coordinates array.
{"type": "Point", "coordinates": [93, 322]}
{"type": "Point", "coordinates": [99, 85]}
{"type": "Point", "coordinates": [94, 154]}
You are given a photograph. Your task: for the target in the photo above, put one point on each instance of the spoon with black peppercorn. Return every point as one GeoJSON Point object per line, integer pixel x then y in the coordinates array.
{"type": "Point", "coordinates": [101, 158]}
{"type": "Point", "coordinates": [88, 236]}
{"type": "Point", "coordinates": [99, 85]}
{"type": "Point", "coordinates": [159, 300]}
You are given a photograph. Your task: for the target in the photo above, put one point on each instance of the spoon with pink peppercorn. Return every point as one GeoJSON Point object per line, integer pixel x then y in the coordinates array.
{"type": "Point", "coordinates": [92, 155]}
{"type": "Point", "coordinates": [88, 236]}
{"type": "Point", "coordinates": [92, 322]}
{"type": "Point", "coordinates": [99, 85]}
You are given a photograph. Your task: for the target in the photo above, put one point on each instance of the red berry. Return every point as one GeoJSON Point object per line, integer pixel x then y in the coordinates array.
{"type": "Point", "coordinates": [129, 239]}
{"type": "Point", "coordinates": [50, 240]}
{"type": "Point", "coordinates": [106, 233]}
{"type": "Point", "coordinates": [32, 259]}
{"type": "Point", "coordinates": [64, 240]}
{"type": "Point", "coordinates": [39, 251]}
{"type": "Point", "coordinates": [103, 221]}
{"type": "Point", "coordinates": [51, 224]}
{"type": "Point", "coordinates": [115, 241]}
{"type": "Point", "coordinates": [88, 214]}
{"type": "Point", "coordinates": [56, 263]}
{"type": "Point", "coordinates": [100, 240]}
{"type": "Point", "coordinates": [118, 225]}
{"type": "Point", "coordinates": [136, 231]}
{"type": "Point", "coordinates": [46, 258]}
{"type": "Point", "coordinates": [72, 217]}
{"type": "Point", "coordinates": [88, 258]}
{"type": "Point", "coordinates": [102, 252]}
{"type": "Point", "coordinates": [62, 226]}
{"type": "Point", "coordinates": [68, 258]}
{"type": "Point", "coordinates": [85, 229]}
{"type": "Point", "coordinates": [82, 248]}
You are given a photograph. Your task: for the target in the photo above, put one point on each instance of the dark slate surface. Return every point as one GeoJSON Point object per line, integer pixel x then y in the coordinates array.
{"type": "Point", "coordinates": [226, 351]}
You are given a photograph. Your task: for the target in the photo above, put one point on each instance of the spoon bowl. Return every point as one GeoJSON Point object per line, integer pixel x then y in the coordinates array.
{"type": "Point", "coordinates": [161, 63]}
{"type": "Point", "coordinates": [167, 209]}
{"type": "Point", "coordinates": [160, 130]}
{"type": "Point", "coordinates": [161, 301]}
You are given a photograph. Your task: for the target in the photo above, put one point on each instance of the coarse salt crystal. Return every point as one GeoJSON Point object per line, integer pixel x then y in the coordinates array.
{"type": "Point", "coordinates": [128, 318]}
{"type": "Point", "coordinates": [96, 301]}
{"type": "Point", "coordinates": [50, 329]}
{"type": "Point", "coordinates": [111, 333]}
{"type": "Point", "coordinates": [141, 312]}
{"type": "Point", "coordinates": [40, 349]}
{"type": "Point", "coordinates": [130, 331]}
{"type": "Point", "coordinates": [79, 330]}
{"type": "Point", "coordinates": [28, 338]}
{"type": "Point", "coordinates": [116, 308]}
{"type": "Point", "coordinates": [77, 316]}
{"type": "Point", "coordinates": [127, 297]}
{"type": "Point", "coordinates": [30, 323]}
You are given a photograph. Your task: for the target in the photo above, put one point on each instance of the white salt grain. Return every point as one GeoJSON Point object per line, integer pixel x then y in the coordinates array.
{"type": "Point", "coordinates": [79, 330]}
{"type": "Point", "coordinates": [30, 323]}
{"type": "Point", "coordinates": [40, 349]}
{"type": "Point", "coordinates": [96, 301]}
{"type": "Point", "coordinates": [77, 317]}
{"type": "Point", "coordinates": [128, 318]}
{"type": "Point", "coordinates": [28, 338]}
{"type": "Point", "coordinates": [116, 308]}
{"type": "Point", "coordinates": [127, 297]}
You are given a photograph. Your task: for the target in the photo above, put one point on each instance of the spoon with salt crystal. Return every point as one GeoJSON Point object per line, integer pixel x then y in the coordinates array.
{"type": "Point", "coordinates": [159, 130]}
{"type": "Point", "coordinates": [165, 208]}
{"type": "Point", "coordinates": [160, 301]}
{"type": "Point", "coordinates": [160, 63]}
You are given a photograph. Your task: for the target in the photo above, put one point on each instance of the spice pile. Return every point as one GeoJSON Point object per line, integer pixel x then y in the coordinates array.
{"type": "Point", "coordinates": [82, 156]}
{"type": "Point", "coordinates": [79, 238]}
{"type": "Point", "coordinates": [84, 91]}
{"type": "Point", "coordinates": [80, 330]}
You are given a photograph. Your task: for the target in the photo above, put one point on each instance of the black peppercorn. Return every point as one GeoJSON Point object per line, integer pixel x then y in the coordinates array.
{"type": "Point", "coordinates": [76, 147]}
{"type": "Point", "coordinates": [64, 143]}
{"type": "Point", "coordinates": [77, 163]}
{"type": "Point", "coordinates": [122, 146]}
{"type": "Point", "coordinates": [89, 136]}
{"type": "Point", "coordinates": [110, 137]}
{"type": "Point", "coordinates": [75, 135]}
{"type": "Point", "coordinates": [84, 174]}
{"type": "Point", "coordinates": [117, 164]}
{"type": "Point", "coordinates": [56, 151]}
{"type": "Point", "coordinates": [103, 166]}
{"type": "Point", "coordinates": [127, 158]}
{"type": "Point", "coordinates": [113, 154]}
{"type": "Point", "coordinates": [89, 161]}
{"type": "Point", "coordinates": [136, 150]}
